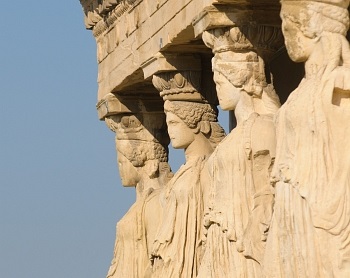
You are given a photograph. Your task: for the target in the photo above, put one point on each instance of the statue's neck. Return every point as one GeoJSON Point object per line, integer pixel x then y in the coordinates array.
{"type": "Point", "coordinates": [145, 184]}
{"type": "Point", "coordinates": [246, 106]}
{"type": "Point", "coordinates": [199, 147]}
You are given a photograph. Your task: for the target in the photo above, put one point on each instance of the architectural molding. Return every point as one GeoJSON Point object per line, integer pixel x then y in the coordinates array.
{"type": "Point", "coordinates": [114, 104]}
{"type": "Point", "coordinates": [179, 76]}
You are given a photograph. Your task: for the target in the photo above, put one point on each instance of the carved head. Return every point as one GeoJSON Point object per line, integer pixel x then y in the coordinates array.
{"type": "Point", "coordinates": [187, 119]}
{"type": "Point", "coordinates": [237, 73]}
{"type": "Point", "coordinates": [304, 23]}
{"type": "Point", "coordinates": [136, 157]}
{"type": "Point", "coordinates": [141, 143]}
{"type": "Point", "coordinates": [238, 68]}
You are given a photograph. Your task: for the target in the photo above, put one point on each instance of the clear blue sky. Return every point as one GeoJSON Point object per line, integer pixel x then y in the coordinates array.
{"type": "Point", "coordinates": [60, 194]}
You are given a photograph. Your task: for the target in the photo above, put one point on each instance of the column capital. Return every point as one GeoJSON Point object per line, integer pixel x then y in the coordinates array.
{"type": "Point", "coordinates": [167, 62]}
{"type": "Point", "coordinates": [114, 104]}
{"type": "Point", "coordinates": [179, 76]}
{"type": "Point", "coordinates": [262, 39]}
{"type": "Point", "coordinates": [237, 14]}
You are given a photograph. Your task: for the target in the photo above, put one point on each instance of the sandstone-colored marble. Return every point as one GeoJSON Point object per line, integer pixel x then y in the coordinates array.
{"type": "Point", "coordinates": [141, 144]}
{"type": "Point", "coordinates": [236, 14]}
{"type": "Point", "coordinates": [192, 126]}
{"type": "Point", "coordinates": [239, 201]}
{"type": "Point", "coordinates": [171, 62]}
{"type": "Point", "coordinates": [177, 249]}
{"type": "Point", "coordinates": [309, 235]}
{"type": "Point", "coordinates": [271, 199]}
{"type": "Point", "coordinates": [135, 45]}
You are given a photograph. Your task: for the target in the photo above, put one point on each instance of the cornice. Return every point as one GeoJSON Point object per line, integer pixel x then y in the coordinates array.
{"type": "Point", "coordinates": [100, 14]}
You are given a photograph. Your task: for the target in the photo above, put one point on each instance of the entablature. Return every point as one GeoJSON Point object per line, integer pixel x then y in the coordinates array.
{"type": "Point", "coordinates": [130, 33]}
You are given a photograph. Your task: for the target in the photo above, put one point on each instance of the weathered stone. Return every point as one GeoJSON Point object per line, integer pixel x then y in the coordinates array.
{"type": "Point", "coordinates": [142, 149]}
{"type": "Point", "coordinates": [310, 228]}
{"type": "Point", "coordinates": [271, 199]}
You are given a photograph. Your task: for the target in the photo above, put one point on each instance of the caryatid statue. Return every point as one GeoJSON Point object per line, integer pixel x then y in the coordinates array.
{"type": "Point", "coordinates": [239, 200]}
{"type": "Point", "coordinates": [142, 150]}
{"type": "Point", "coordinates": [192, 126]}
{"type": "Point", "coordinates": [310, 230]}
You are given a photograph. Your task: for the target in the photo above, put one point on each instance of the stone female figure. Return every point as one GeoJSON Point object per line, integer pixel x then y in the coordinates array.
{"type": "Point", "coordinates": [310, 232]}
{"type": "Point", "coordinates": [142, 159]}
{"type": "Point", "coordinates": [240, 200]}
{"type": "Point", "coordinates": [177, 248]}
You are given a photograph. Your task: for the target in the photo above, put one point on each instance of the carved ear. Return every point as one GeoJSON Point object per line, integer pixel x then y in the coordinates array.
{"type": "Point", "coordinates": [151, 168]}
{"type": "Point", "coordinates": [205, 127]}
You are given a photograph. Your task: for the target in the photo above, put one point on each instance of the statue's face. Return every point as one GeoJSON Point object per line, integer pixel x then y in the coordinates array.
{"type": "Point", "coordinates": [128, 172]}
{"type": "Point", "coordinates": [299, 47]}
{"type": "Point", "coordinates": [180, 134]}
{"type": "Point", "coordinates": [228, 94]}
